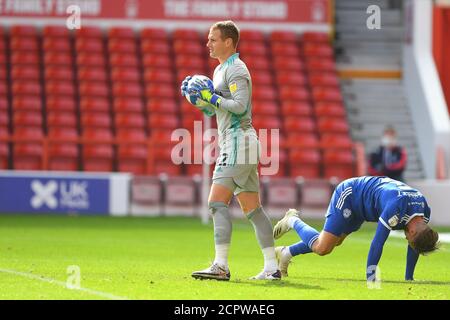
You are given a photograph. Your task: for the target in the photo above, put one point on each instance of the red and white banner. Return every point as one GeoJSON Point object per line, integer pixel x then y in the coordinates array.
{"type": "Point", "coordinates": [290, 11]}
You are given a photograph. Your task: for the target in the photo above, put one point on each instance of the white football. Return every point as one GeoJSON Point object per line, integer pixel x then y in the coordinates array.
{"type": "Point", "coordinates": [192, 99]}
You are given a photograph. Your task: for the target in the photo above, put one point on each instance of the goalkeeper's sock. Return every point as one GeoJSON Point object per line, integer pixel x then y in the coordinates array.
{"type": "Point", "coordinates": [299, 248]}
{"type": "Point", "coordinates": [222, 231]}
{"type": "Point", "coordinates": [264, 233]}
{"type": "Point", "coordinates": [307, 233]}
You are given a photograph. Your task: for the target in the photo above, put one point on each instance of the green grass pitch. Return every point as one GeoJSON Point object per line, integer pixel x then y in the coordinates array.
{"type": "Point", "coordinates": [152, 258]}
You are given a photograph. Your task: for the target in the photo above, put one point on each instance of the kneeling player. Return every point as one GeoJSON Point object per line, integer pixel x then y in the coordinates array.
{"type": "Point", "coordinates": [395, 205]}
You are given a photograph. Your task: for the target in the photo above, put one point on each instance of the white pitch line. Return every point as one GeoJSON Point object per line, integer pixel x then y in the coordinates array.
{"type": "Point", "coordinates": [63, 284]}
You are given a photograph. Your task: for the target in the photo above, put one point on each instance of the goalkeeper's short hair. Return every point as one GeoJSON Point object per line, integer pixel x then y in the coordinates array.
{"type": "Point", "coordinates": [228, 29]}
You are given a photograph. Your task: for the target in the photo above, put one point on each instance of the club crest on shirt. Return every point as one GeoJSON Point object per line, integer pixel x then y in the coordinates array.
{"type": "Point", "coordinates": [393, 221]}
{"type": "Point", "coordinates": [347, 213]}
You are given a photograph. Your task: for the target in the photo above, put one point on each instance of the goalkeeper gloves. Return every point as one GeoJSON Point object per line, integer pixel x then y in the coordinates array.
{"type": "Point", "coordinates": [205, 91]}
{"type": "Point", "coordinates": [184, 86]}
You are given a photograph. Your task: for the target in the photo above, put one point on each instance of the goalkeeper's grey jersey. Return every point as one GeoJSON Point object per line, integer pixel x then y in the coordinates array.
{"type": "Point", "coordinates": [232, 81]}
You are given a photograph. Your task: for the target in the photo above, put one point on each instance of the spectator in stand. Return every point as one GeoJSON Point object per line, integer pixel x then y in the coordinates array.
{"type": "Point", "coordinates": [390, 158]}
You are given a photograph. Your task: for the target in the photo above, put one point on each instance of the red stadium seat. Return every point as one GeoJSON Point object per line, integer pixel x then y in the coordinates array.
{"type": "Point", "coordinates": [4, 155]}
{"type": "Point", "coordinates": [332, 110]}
{"type": "Point", "coordinates": [3, 103]}
{"type": "Point", "coordinates": [125, 74]}
{"type": "Point", "coordinates": [28, 133]}
{"type": "Point", "coordinates": [57, 45]}
{"type": "Point", "coordinates": [262, 78]}
{"type": "Point", "coordinates": [122, 46]}
{"type": "Point", "coordinates": [99, 104]}
{"type": "Point", "coordinates": [305, 163]}
{"type": "Point", "coordinates": [26, 88]}
{"type": "Point", "coordinates": [2, 57]}
{"type": "Point", "coordinates": [27, 119]}
{"type": "Point", "coordinates": [134, 134]}
{"type": "Point", "coordinates": [62, 133]}
{"type": "Point", "coordinates": [129, 120]}
{"type": "Point", "coordinates": [132, 158]}
{"type": "Point", "coordinates": [320, 64]}
{"type": "Point", "coordinates": [91, 59]}
{"type": "Point", "coordinates": [267, 123]}
{"type": "Point", "coordinates": [93, 89]}
{"type": "Point", "coordinates": [58, 103]}
{"type": "Point", "coordinates": [63, 157]}
{"type": "Point", "coordinates": [121, 33]}
{"type": "Point", "coordinates": [300, 108]}
{"type": "Point", "coordinates": [162, 106]}
{"type": "Point", "coordinates": [61, 119]}
{"type": "Point", "coordinates": [332, 140]}
{"type": "Point", "coordinates": [24, 72]}
{"type": "Point", "coordinates": [284, 49]}
{"type": "Point", "coordinates": [96, 120]}
{"type": "Point", "coordinates": [98, 157]}
{"type": "Point", "coordinates": [323, 79]}
{"type": "Point", "coordinates": [253, 49]}
{"type": "Point", "coordinates": [258, 63]}
{"type": "Point", "coordinates": [264, 93]}
{"type": "Point", "coordinates": [158, 75]}
{"type": "Point", "coordinates": [25, 58]}
{"type": "Point", "coordinates": [156, 61]}
{"type": "Point", "coordinates": [303, 140]}
{"type": "Point", "coordinates": [297, 124]}
{"type": "Point", "coordinates": [55, 32]}
{"type": "Point", "coordinates": [188, 61]}
{"type": "Point", "coordinates": [127, 89]}
{"type": "Point", "coordinates": [186, 34]}
{"type": "Point", "coordinates": [288, 64]}
{"type": "Point", "coordinates": [330, 125]}
{"type": "Point", "coordinates": [317, 50]}
{"type": "Point", "coordinates": [89, 32]}
{"type": "Point", "coordinates": [128, 105]}
{"type": "Point", "coordinates": [283, 36]}
{"type": "Point", "coordinates": [57, 58]}
{"type": "Point", "coordinates": [23, 31]}
{"type": "Point", "coordinates": [87, 45]}
{"type": "Point", "coordinates": [181, 47]}
{"type": "Point", "coordinates": [154, 34]}
{"type": "Point", "coordinates": [288, 77]}
{"type": "Point", "coordinates": [167, 168]}
{"type": "Point", "coordinates": [182, 73]}
{"type": "Point", "coordinates": [92, 74]}
{"type": "Point", "coordinates": [294, 93]}
{"type": "Point", "coordinates": [162, 121]}
{"type": "Point", "coordinates": [2, 71]}
{"type": "Point", "coordinates": [58, 73]}
{"type": "Point", "coordinates": [338, 164]}
{"type": "Point", "coordinates": [251, 35]}
{"type": "Point", "coordinates": [60, 88]}
{"type": "Point", "coordinates": [97, 134]}
{"type": "Point", "coordinates": [155, 47]}
{"type": "Point", "coordinates": [27, 156]}
{"type": "Point", "coordinates": [327, 94]}
{"type": "Point", "coordinates": [4, 88]}
{"type": "Point", "coordinates": [265, 108]}
{"type": "Point", "coordinates": [24, 44]}
{"type": "Point", "coordinates": [4, 118]}
{"type": "Point", "coordinates": [160, 91]}
{"type": "Point", "coordinates": [315, 37]}
{"type": "Point", "coordinates": [161, 136]}
{"type": "Point", "coordinates": [30, 103]}
{"type": "Point", "coordinates": [123, 60]}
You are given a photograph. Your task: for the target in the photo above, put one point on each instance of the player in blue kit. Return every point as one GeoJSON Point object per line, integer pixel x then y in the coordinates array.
{"type": "Point", "coordinates": [393, 204]}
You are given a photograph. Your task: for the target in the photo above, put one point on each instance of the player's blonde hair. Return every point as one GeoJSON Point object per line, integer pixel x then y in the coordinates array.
{"type": "Point", "coordinates": [228, 29]}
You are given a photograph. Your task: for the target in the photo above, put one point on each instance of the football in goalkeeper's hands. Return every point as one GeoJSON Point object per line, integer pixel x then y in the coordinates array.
{"type": "Point", "coordinates": [192, 98]}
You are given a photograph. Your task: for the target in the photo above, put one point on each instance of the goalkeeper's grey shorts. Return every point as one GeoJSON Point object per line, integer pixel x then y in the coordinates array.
{"type": "Point", "coordinates": [237, 166]}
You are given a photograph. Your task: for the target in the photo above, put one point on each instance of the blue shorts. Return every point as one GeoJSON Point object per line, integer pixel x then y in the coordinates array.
{"type": "Point", "coordinates": [340, 218]}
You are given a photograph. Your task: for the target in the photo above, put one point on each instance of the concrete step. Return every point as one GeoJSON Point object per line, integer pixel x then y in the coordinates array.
{"type": "Point", "coordinates": [378, 118]}
{"type": "Point", "coordinates": [392, 34]}
{"type": "Point", "coordinates": [369, 83]}
{"type": "Point", "coordinates": [389, 60]}
{"type": "Point", "coordinates": [380, 90]}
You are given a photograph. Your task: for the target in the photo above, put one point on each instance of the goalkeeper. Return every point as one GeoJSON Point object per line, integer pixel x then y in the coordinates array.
{"type": "Point", "coordinates": [236, 167]}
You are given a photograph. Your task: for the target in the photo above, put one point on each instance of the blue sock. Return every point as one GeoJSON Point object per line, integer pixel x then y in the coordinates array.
{"type": "Point", "coordinates": [299, 248]}
{"type": "Point", "coordinates": [306, 233]}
